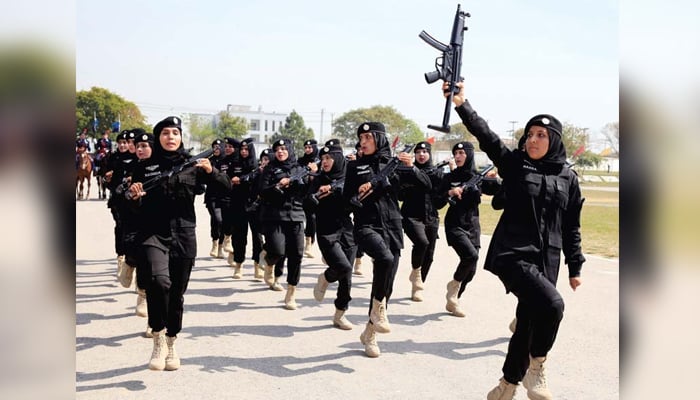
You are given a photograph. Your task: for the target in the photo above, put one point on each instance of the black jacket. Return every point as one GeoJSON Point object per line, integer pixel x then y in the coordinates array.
{"type": "Point", "coordinates": [122, 165]}
{"type": "Point", "coordinates": [380, 210]}
{"type": "Point", "coordinates": [542, 213]}
{"type": "Point", "coordinates": [166, 214]}
{"type": "Point", "coordinates": [419, 192]}
{"type": "Point", "coordinates": [281, 204]}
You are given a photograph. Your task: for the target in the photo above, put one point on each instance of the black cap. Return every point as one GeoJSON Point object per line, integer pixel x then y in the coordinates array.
{"type": "Point", "coordinates": [546, 121]}
{"type": "Point", "coordinates": [233, 142]}
{"type": "Point", "coordinates": [333, 142]}
{"type": "Point", "coordinates": [217, 142]}
{"type": "Point", "coordinates": [282, 142]}
{"type": "Point", "coordinates": [370, 127]}
{"type": "Point", "coordinates": [334, 148]}
{"type": "Point", "coordinates": [265, 153]}
{"type": "Point", "coordinates": [124, 135]}
{"type": "Point", "coordinates": [466, 146]}
{"type": "Point", "coordinates": [423, 146]}
{"type": "Point", "coordinates": [144, 137]}
{"type": "Point", "coordinates": [170, 122]}
{"type": "Point", "coordinates": [310, 142]}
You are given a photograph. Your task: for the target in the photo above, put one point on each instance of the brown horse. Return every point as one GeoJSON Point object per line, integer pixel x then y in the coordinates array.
{"type": "Point", "coordinates": [84, 173]}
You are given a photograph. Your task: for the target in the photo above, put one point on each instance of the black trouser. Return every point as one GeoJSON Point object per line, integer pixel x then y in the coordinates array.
{"type": "Point", "coordinates": [339, 255]}
{"type": "Point", "coordinates": [285, 239]}
{"type": "Point", "coordinates": [423, 236]}
{"type": "Point", "coordinates": [239, 240]}
{"type": "Point", "coordinates": [386, 262]}
{"type": "Point", "coordinates": [256, 235]}
{"type": "Point", "coordinates": [539, 312]}
{"type": "Point", "coordinates": [227, 216]}
{"type": "Point", "coordinates": [118, 231]}
{"type": "Point", "coordinates": [310, 227]}
{"type": "Point", "coordinates": [459, 240]}
{"type": "Point", "coordinates": [215, 221]}
{"type": "Point", "coordinates": [167, 279]}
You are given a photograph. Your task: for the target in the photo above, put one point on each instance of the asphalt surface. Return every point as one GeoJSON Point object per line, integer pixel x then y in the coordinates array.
{"type": "Point", "coordinates": [238, 341]}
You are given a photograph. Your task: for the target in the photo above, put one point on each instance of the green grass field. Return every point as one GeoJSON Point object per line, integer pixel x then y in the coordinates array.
{"type": "Point", "coordinates": [600, 221]}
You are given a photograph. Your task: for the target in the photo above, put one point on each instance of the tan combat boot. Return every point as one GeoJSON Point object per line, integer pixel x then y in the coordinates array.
{"type": "Point", "coordinates": [416, 285]}
{"type": "Point", "coordinates": [141, 303]}
{"type": "Point", "coordinates": [358, 266]}
{"type": "Point", "coordinates": [172, 361]}
{"type": "Point", "coordinates": [214, 248]}
{"type": "Point", "coordinates": [369, 339]}
{"type": "Point", "coordinates": [258, 271]}
{"type": "Point", "coordinates": [228, 247]}
{"type": "Point", "coordinates": [126, 274]}
{"type": "Point", "coordinates": [307, 248]}
{"type": "Point", "coordinates": [504, 391]}
{"type": "Point", "coordinates": [269, 274]}
{"type": "Point", "coordinates": [237, 270]}
{"type": "Point", "coordinates": [149, 331]}
{"type": "Point", "coordinates": [452, 300]}
{"type": "Point", "coordinates": [321, 286]}
{"type": "Point", "coordinates": [276, 285]}
{"type": "Point", "coordinates": [220, 251]}
{"type": "Point", "coordinates": [512, 325]}
{"type": "Point", "coordinates": [339, 320]}
{"type": "Point", "coordinates": [157, 362]}
{"type": "Point", "coordinates": [229, 260]}
{"type": "Point", "coordinates": [378, 316]}
{"type": "Point", "coordinates": [535, 380]}
{"type": "Point", "coordinates": [289, 301]}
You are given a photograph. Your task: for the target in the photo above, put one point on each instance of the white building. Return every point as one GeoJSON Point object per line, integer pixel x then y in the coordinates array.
{"type": "Point", "coordinates": [261, 125]}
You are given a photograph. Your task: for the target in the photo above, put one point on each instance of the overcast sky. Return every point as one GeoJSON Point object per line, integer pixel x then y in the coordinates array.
{"type": "Point", "coordinates": [520, 58]}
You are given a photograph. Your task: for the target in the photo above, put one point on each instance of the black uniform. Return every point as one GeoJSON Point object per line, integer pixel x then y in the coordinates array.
{"type": "Point", "coordinates": [212, 198]}
{"type": "Point", "coordinates": [419, 193]}
{"type": "Point", "coordinates": [167, 234]}
{"type": "Point", "coordinates": [540, 219]}
{"type": "Point", "coordinates": [334, 227]}
{"type": "Point", "coordinates": [253, 208]}
{"type": "Point", "coordinates": [282, 214]}
{"type": "Point", "coordinates": [239, 199]}
{"type": "Point", "coordinates": [462, 227]}
{"type": "Point", "coordinates": [378, 222]}
{"type": "Point", "coordinates": [225, 197]}
{"type": "Point", "coordinates": [121, 165]}
{"type": "Point", "coordinates": [310, 225]}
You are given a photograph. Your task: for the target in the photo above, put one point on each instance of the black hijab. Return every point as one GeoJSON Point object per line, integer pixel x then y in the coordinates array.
{"type": "Point", "coordinates": [290, 161]}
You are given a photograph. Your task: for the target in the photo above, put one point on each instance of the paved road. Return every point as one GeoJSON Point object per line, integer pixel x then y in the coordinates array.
{"type": "Point", "coordinates": [239, 342]}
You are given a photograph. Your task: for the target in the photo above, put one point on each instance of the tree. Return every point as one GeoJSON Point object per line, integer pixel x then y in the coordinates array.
{"type": "Point", "coordinates": [611, 131]}
{"type": "Point", "coordinates": [588, 159]}
{"type": "Point", "coordinates": [201, 130]}
{"type": "Point", "coordinates": [345, 126]}
{"type": "Point", "coordinates": [574, 138]}
{"type": "Point", "coordinates": [295, 129]}
{"type": "Point", "coordinates": [108, 107]}
{"type": "Point", "coordinates": [230, 126]}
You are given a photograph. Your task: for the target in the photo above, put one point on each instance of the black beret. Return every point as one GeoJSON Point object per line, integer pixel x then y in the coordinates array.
{"type": "Point", "coordinates": [333, 148]}
{"type": "Point", "coordinates": [170, 122]}
{"type": "Point", "coordinates": [233, 142]}
{"type": "Point", "coordinates": [144, 137]}
{"type": "Point", "coordinates": [217, 142]}
{"type": "Point", "coordinates": [132, 135]}
{"type": "Point", "coordinates": [138, 131]}
{"type": "Point", "coordinates": [124, 135]}
{"type": "Point", "coordinates": [265, 153]}
{"type": "Point", "coordinates": [282, 142]}
{"type": "Point", "coordinates": [422, 146]}
{"type": "Point", "coordinates": [370, 127]}
{"type": "Point", "coordinates": [333, 142]}
{"type": "Point", "coordinates": [462, 146]}
{"type": "Point", "coordinates": [310, 142]}
{"type": "Point", "coordinates": [546, 121]}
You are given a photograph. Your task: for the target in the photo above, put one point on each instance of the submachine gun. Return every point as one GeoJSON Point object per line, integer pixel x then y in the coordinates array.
{"type": "Point", "coordinates": [448, 66]}
{"type": "Point", "coordinates": [157, 180]}
{"type": "Point", "coordinates": [472, 184]}
{"type": "Point", "coordinates": [381, 178]}
{"type": "Point", "coordinates": [336, 185]}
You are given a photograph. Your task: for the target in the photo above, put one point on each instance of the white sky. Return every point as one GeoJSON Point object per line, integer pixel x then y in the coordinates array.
{"type": "Point", "coordinates": [520, 58]}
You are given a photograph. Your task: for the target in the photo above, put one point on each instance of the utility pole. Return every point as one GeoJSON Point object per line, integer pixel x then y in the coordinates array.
{"type": "Point", "coordinates": [320, 139]}
{"type": "Point", "coordinates": [512, 128]}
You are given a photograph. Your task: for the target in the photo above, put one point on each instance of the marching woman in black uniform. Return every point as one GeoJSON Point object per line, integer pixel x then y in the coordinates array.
{"type": "Point", "coordinates": [420, 215]}
{"type": "Point", "coordinates": [212, 201]}
{"type": "Point", "coordinates": [541, 218]}
{"type": "Point", "coordinates": [253, 210]}
{"type": "Point", "coordinates": [309, 159]}
{"type": "Point", "coordinates": [245, 163]}
{"type": "Point", "coordinates": [282, 217]}
{"type": "Point", "coordinates": [334, 230]}
{"type": "Point", "coordinates": [119, 165]}
{"type": "Point", "coordinates": [167, 234]}
{"type": "Point", "coordinates": [377, 223]}
{"type": "Point", "coordinates": [231, 146]}
{"type": "Point", "coordinates": [462, 228]}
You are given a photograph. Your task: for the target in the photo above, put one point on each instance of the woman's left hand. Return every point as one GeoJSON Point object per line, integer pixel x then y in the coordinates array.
{"type": "Point", "coordinates": [575, 282]}
{"type": "Point", "coordinates": [204, 164]}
